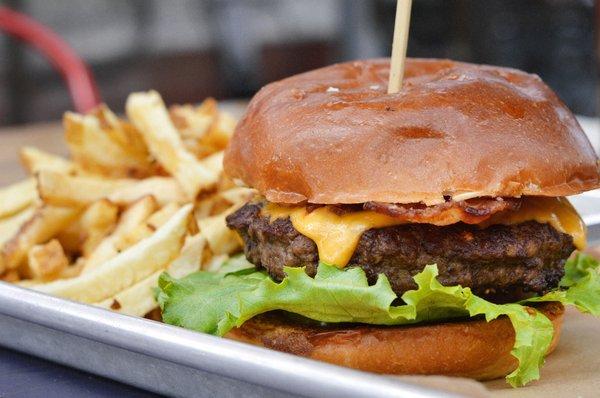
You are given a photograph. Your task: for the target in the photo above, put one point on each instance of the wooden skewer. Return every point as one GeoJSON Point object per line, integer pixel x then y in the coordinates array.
{"type": "Point", "coordinates": [399, 45]}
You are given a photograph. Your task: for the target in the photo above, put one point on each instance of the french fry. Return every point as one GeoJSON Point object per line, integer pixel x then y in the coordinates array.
{"type": "Point", "coordinates": [138, 299]}
{"type": "Point", "coordinates": [149, 114]}
{"type": "Point", "coordinates": [10, 226]}
{"type": "Point", "coordinates": [214, 162]}
{"type": "Point", "coordinates": [221, 201]}
{"type": "Point", "coordinates": [147, 228]}
{"type": "Point", "coordinates": [11, 276]}
{"type": "Point", "coordinates": [220, 239]}
{"type": "Point", "coordinates": [35, 160]}
{"type": "Point", "coordinates": [194, 122]}
{"type": "Point", "coordinates": [237, 195]}
{"type": "Point", "coordinates": [44, 224]}
{"type": "Point", "coordinates": [219, 133]}
{"type": "Point", "coordinates": [64, 190]}
{"type": "Point", "coordinates": [121, 132]}
{"type": "Point", "coordinates": [97, 152]}
{"type": "Point", "coordinates": [71, 271]}
{"type": "Point", "coordinates": [163, 215]}
{"type": "Point", "coordinates": [46, 261]}
{"type": "Point", "coordinates": [214, 263]}
{"type": "Point", "coordinates": [165, 189]}
{"type": "Point", "coordinates": [131, 218]}
{"type": "Point", "coordinates": [16, 197]}
{"type": "Point", "coordinates": [98, 221]}
{"type": "Point", "coordinates": [128, 268]}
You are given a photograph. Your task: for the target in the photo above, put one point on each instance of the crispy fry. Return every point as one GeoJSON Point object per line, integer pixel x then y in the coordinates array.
{"type": "Point", "coordinates": [131, 218]}
{"type": "Point", "coordinates": [163, 215]}
{"type": "Point", "coordinates": [148, 113]}
{"type": "Point", "coordinates": [35, 160]}
{"type": "Point", "coordinates": [147, 228]}
{"type": "Point", "coordinates": [122, 132]}
{"type": "Point", "coordinates": [10, 226]}
{"type": "Point", "coordinates": [221, 201]}
{"type": "Point", "coordinates": [128, 268]}
{"type": "Point", "coordinates": [220, 239]}
{"type": "Point", "coordinates": [214, 263]}
{"type": "Point", "coordinates": [165, 189]}
{"type": "Point", "coordinates": [98, 221]}
{"type": "Point", "coordinates": [238, 195]}
{"type": "Point", "coordinates": [138, 299]}
{"type": "Point", "coordinates": [16, 197]}
{"type": "Point", "coordinates": [214, 162]}
{"type": "Point", "coordinates": [71, 271]}
{"type": "Point", "coordinates": [85, 233]}
{"type": "Point", "coordinates": [194, 123]}
{"type": "Point", "coordinates": [64, 190]}
{"type": "Point", "coordinates": [11, 276]}
{"type": "Point", "coordinates": [44, 224]}
{"type": "Point", "coordinates": [46, 261]}
{"type": "Point", "coordinates": [96, 151]}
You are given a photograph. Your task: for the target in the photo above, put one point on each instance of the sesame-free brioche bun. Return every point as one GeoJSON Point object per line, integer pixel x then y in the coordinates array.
{"type": "Point", "coordinates": [333, 135]}
{"type": "Point", "coordinates": [473, 348]}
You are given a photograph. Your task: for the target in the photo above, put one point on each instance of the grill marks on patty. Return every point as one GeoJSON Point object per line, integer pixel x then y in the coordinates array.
{"type": "Point", "coordinates": [503, 263]}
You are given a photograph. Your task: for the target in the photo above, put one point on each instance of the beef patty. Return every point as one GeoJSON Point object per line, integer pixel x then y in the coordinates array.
{"type": "Point", "coordinates": [502, 263]}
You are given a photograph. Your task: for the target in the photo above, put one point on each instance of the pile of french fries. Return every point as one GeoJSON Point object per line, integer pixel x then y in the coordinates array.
{"type": "Point", "coordinates": [137, 197]}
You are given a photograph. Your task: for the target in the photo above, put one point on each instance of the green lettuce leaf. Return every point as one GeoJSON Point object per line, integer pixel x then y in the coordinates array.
{"type": "Point", "coordinates": [216, 303]}
{"type": "Point", "coordinates": [579, 287]}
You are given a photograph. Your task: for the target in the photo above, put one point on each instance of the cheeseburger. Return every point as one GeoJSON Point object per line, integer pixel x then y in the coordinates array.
{"type": "Point", "coordinates": [422, 232]}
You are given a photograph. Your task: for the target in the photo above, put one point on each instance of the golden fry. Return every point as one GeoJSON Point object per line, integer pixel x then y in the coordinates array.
{"type": "Point", "coordinates": [98, 221]}
{"type": "Point", "coordinates": [138, 299]}
{"type": "Point", "coordinates": [128, 268]}
{"type": "Point", "coordinates": [11, 225]}
{"type": "Point", "coordinates": [35, 160]}
{"type": "Point", "coordinates": [131, 218]}
{"type": "Point", "coordinates": [16, 197]}
{"type": "Point", "coordinates": [220, 239]}
{"type": "Point", "coordinates": [149, 114]}
{"type": "Point", "coordinates": [44, 224]}
{"type": "Point", "coordinates": [96, 151]}
{"type": "Point", "coordinates": [46, 261]}
{"type": "Point", "coordinates": [165, 189]}
{"type": "Point", "coordinates": [64, 190]}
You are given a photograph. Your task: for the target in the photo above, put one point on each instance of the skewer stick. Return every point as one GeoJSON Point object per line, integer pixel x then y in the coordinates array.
{"type": "Point", "coordinates": [399, 45]}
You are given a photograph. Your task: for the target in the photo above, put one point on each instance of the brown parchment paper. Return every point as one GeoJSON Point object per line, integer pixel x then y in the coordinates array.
{"type": "Point", "coordinates": [573, 370]}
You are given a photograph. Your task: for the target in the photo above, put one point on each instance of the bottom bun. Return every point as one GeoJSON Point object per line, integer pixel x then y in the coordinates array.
{"type": "Point", "coordinates": [473, 348]}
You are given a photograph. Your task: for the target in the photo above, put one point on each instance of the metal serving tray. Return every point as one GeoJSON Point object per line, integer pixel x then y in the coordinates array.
{"type": "Point", "coordinates": [178, 362]}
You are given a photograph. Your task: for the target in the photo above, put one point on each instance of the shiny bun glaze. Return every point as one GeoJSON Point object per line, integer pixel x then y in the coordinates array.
{"type": "Point", "coordinates": [472, 348]}
{"type": "Point", "coordinates": [334, 135]}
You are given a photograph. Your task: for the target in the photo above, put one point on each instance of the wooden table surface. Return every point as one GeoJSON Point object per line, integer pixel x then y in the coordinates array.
{"type": "Point", "coordinates": [46, 136]}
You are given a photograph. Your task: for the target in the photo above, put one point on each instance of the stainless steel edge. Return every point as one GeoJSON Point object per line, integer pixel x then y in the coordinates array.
{"type": "Point", "coordinates": [172, 360]}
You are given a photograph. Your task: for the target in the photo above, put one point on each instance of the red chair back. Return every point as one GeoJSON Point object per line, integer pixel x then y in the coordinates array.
{"type": "Point", "coordinates": [79, 80]}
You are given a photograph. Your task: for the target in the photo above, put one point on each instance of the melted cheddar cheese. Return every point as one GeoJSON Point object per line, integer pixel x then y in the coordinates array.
{"type": "Point", "coordinates": [337, 236]}
{"type": "Point", "coordinates": [558, 212]}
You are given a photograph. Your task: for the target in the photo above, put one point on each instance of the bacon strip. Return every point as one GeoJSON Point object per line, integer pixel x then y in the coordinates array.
{"type": "Point", "coordinates": [471, 211]}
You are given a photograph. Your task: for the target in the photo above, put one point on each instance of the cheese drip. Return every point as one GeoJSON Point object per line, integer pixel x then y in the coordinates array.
{"type": "Point", "coordinates": [337, 235]}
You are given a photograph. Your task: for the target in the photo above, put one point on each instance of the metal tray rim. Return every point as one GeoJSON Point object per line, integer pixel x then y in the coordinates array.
{"type": "Point", "coordinates": [256, 365]}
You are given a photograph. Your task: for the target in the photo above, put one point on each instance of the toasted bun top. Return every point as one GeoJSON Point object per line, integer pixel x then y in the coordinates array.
{"type": "Point", "coordinates": [333, 135]}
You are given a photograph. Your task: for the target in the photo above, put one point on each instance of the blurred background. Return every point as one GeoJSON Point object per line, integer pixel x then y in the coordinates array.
{"type": "Point", "coordinates": [191, 49]}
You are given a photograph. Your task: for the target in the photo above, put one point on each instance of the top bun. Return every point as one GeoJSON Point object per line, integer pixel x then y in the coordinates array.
{"type": "Point", "coordinates": [334, 135]}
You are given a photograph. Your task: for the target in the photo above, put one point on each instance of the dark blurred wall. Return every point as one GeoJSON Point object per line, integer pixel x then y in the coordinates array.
{"type": "Point", "coordinates": [190, 49]}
